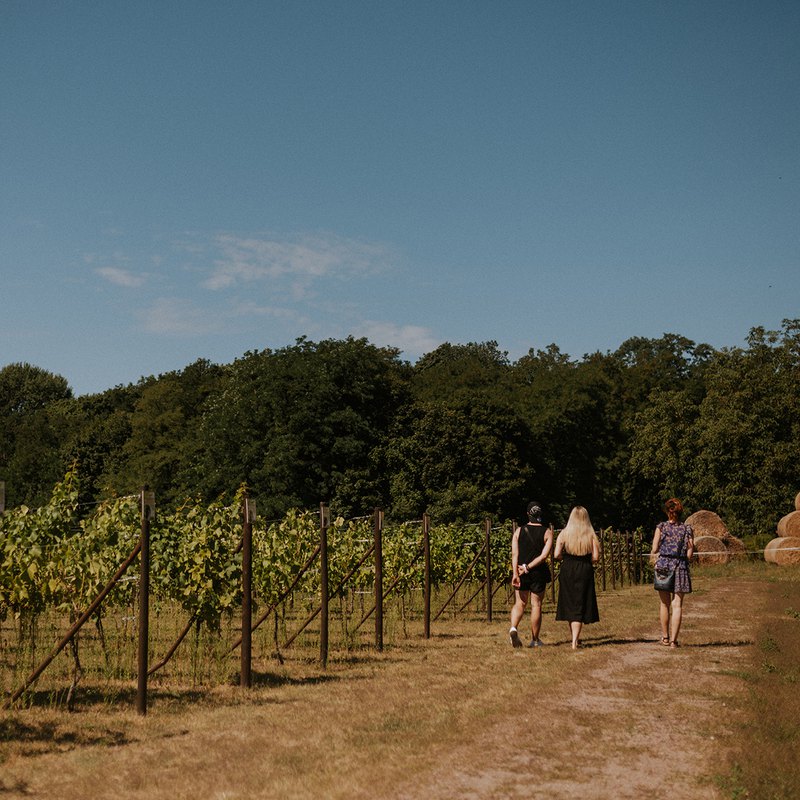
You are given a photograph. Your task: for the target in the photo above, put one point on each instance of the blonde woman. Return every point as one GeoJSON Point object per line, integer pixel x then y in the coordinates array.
{"type": "Point", "coordinates": [578, 548]}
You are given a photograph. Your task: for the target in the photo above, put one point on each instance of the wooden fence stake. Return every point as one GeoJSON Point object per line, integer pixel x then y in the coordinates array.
{"type": "Point", "coordinates": [552, 569]}
{"type": "Point", "coordinates": [324, 521]}
{"type": "Point", "coordinates": [148, 512]}
{"type": "Point", "coordinates": [377, 526]}
{"type": "Point", "coordinates": [248, 517]}
{"type": "Point", "coordinates": [603, 558]}
{"type": "Point", "coordinates": [628, 557]}
{"type": "Point", "coordinates": [426, 545]}
{"type": "Point", "coordinates": [488, 569]}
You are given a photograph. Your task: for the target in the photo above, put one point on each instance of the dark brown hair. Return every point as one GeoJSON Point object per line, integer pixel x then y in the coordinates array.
{"type": "Point", "coordinates": [534, 511]}
{"type": "Point", "coordinates": [674, 509]}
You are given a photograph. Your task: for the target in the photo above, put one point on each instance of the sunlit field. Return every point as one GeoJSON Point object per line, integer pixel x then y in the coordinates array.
{"type": "Point", "coordinates": [362, 725]}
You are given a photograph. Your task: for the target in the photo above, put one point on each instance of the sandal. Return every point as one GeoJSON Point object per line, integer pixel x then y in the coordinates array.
{"type": "Point", "coordinates": [674, 644]}
{"type": "Point", "coordinates": [665, 641]}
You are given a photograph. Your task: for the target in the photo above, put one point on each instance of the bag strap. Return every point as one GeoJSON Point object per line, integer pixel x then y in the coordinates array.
{"type": "Point", "coordinates": [683, 547]}
{"type": "Point", "coordinates": [529, 536]}
{"type": "Point", "coordinates": [684, 542]}
{"type": "Point", "coordinates": [689, 533]}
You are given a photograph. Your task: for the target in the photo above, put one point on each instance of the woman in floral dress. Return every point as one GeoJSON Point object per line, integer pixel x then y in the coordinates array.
{"type": "Point", "coordinates": [673, 543]}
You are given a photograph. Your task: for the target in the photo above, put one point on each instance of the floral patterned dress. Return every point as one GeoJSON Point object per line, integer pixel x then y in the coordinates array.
{"type": "Point", "coordinates": [675, 538]}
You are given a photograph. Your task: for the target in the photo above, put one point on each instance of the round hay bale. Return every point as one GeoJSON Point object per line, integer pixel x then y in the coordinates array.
{"type": "Point", "coordinates": [710, 550]}
{"type": "Point", "coordinates": [789, 525]}
{"type": "Point", "coordinates": [783, 550]}
{"type": "Point", "coordinates": [707, 523]}
{"type": "Point", "coordinates": [736, 548]}
{"type": "Point", "coordinates": [771, 547]}
{"type": "Point", "coordinates": [797, 501]}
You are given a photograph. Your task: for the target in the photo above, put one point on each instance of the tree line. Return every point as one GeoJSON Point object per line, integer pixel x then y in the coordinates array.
{"type": "Point", "coordinates": [462, 433]}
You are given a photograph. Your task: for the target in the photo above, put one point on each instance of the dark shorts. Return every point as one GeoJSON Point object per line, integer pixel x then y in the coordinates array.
{"type": "Point", "coordinates": [535, 581]}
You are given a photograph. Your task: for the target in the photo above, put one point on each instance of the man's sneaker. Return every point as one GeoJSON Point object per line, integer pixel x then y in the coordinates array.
{"type": "Point", "coordinates": [536, 643]}
{"type": "Point", "coordinates": [514, 636]}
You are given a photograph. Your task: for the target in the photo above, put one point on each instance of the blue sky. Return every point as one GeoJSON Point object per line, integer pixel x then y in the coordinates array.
{"type": "Point", "coordinates": [185, 180]}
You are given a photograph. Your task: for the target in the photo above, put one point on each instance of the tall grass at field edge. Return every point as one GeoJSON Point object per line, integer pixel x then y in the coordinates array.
{"type": "Point", "coordinates": [764, 755]}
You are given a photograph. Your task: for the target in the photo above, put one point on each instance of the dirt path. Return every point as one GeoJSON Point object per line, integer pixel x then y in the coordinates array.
{"type": "Point", "coordinates": [625, 723]}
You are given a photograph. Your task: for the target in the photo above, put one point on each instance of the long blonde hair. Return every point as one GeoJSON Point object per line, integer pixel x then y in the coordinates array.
{"type": "Point", "coordinates": [578, 535]}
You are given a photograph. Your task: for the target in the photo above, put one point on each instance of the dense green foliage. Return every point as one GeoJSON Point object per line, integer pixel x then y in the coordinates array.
{"type": "Point", "coordinates": [61, 554]}
{"type": "Point", "coordinates": [461, 434]}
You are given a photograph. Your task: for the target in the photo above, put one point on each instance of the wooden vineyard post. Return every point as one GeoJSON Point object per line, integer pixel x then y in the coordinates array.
{"type": "Point", "coordinates": [642, 557]}
{"type": "Point", "coordinates": [613, 549]}
{"type": "Point", "coordinates": [638, 567]}
{"type": "Point", "coordinates": [552, 567]}
{"type": "Point", "coordinates": [248, 518]}
{"type": "Point", "coordinates": [377, 525]}
{"type": "Point", "coordinates": [628, 557]}
{"type": "Point", "coordinates": [426, 546]}
{"type": "Point", "coordinates": [603, 558]}
{"type": "Point", "coordinates": [148, 506]}
{"type": "Point", "coordinates": [324, 521]}
{"type": "Point", "coordinates": [488, 569]}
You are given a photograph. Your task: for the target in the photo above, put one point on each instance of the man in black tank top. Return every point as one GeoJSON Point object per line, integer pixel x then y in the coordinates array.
{"type": "Point", "coordinates": [530, 548]}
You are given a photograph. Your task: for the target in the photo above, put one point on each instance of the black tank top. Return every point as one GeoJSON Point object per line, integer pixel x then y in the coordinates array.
{"type": "Point", "coordinates": [531, 541]}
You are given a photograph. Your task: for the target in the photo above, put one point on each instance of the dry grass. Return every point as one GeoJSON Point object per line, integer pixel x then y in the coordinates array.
{"type": "Point", "coordinates": [448, 716]}
{"type": "Point", "coordinates": [312, 731]}
{"type": "Point", "coordinates": [766, 762]}
{"type": "Point", "coordinates": [355, 729]}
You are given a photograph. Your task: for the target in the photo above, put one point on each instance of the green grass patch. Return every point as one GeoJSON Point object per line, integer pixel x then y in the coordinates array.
{"type": "Point", "coordinates": [763, 763]}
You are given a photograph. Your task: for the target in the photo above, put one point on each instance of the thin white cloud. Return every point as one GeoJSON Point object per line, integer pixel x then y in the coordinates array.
{"type": "Point", "coordinates": [251, 309]}
{"type": "Point", "coordinates": [248, 259]}
{"type": "Point", "coordinates": [412, 340]}
{"type": "Point", "coordinates": [174, 316]}
{"type": "Point", "coordinates": [120, 277]}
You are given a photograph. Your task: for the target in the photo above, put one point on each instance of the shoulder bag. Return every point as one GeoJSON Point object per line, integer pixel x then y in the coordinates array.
{"type": "Point", "coordinates": [664, 580]}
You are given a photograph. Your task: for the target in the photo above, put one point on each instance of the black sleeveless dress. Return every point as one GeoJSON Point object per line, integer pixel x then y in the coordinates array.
{"type": "Point", "coordinates": [577, 599]}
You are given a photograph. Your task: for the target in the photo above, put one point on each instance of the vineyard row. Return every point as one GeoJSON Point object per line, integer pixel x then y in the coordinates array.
{"type": "Point", "coordinates": [214, 559]}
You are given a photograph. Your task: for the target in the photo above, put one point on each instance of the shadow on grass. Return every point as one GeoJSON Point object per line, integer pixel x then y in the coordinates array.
{"type": "Point", "coordinates": [603, 641]}
{"type": "Point", "coordinates": [274, 680]}
{"type": "Point", "coordinates": [18, 787]}
{"type": "Point", "coordinates": [52, 733]}
{"type": "Point", "coordinates": [721, 643]}
{"type": "Point", "coordinates": [90, 697]}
